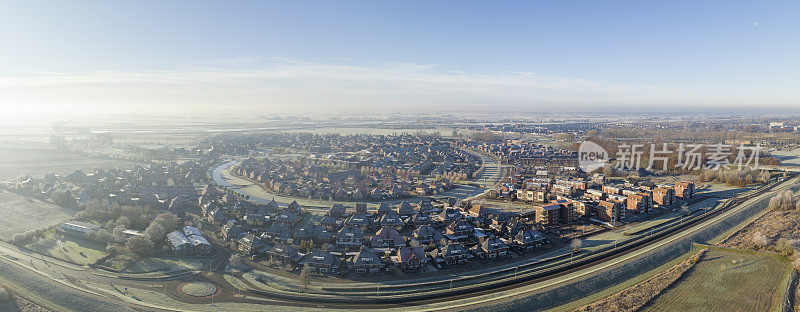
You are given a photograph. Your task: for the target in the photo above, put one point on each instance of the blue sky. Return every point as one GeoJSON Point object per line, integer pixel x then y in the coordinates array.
{"type": "Point", "coordinates": [339, 55]}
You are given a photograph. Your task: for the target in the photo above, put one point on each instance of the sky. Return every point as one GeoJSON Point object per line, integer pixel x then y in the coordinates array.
{"type": "Point", "coordinates": [204, 57]}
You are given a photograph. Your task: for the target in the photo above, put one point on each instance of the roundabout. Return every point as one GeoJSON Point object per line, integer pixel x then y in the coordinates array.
{"type": "Point", "coordinates": [199, 289]}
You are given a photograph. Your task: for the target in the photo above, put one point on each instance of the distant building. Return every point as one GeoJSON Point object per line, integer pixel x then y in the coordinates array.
{"type": "Point", "coordinates": [567, 212]}
{"type": "Point", "coordinates": [349, 237]}
{"type": "Point", "coordinates": [532, 196]}
{"type": "Point", "coordinates": [452, 253]}
{"type": "Point", "coordinates": [78, 228]}
{"type": "Point", "coordinates": [594, 194]}
{"type": "Point", "coordinates": [612, 190]}
{"type": "Point", "coordinates": [200, 245]}
{"type": "Point", "coordinates": [493, 248]}
{"type": "Point", "coordinates": [388, 237]}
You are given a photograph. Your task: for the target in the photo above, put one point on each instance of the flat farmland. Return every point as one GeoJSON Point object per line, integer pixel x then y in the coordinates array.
{"type": "Point", "coordinates": [22, 213]}
{"type": "Point", "coordinates": [726, 280]}
{"type": "Point", "coordinates": [15, 163]}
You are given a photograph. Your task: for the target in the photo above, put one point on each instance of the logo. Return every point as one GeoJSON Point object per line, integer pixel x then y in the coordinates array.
{"type": "Point", "coordinates": [591, 156]}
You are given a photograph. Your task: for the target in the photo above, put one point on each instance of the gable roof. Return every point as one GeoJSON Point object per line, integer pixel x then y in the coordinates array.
{"type": "Point", "coordinates": [177, 239]}
{"type": "Point", "coordinates": [349, 231]}
{"type": "Point", "coordinates": [389, 233]}
{"type": "Point", "coordinates": [366, 257]}
{"type": "Point", "coordinates": [406, 253]}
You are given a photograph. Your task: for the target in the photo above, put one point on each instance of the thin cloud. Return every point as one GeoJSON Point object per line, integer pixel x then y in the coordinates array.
{"type": "Point", "coordinates": [280, 84]}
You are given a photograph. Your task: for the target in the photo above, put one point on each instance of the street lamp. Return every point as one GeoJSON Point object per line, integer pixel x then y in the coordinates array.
{"type": "Point", "coordinates": [451, 284]}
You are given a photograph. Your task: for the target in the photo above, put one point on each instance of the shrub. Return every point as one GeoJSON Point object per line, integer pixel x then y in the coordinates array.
{"type": "Point", "coordinates": [120, 261]}
{"type": "Point", "coordinates": [18, 239]}
{"type": "Point", "coordinates": [118, 233]}
{"type": "Point", "coordinates": [783, 201]}
{"type": "Point", "coordinates": [784, 247]}
{"type": "Point", "coordinates": [100, 235]}
{"type": "Point", "coordinates": [235, 259]}
{"type": "Point", "coordinates": [760, 240]}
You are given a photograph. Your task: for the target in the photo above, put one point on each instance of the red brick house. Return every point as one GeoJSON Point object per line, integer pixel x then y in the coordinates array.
{"type": "Point", "coordinates": [411, 258]}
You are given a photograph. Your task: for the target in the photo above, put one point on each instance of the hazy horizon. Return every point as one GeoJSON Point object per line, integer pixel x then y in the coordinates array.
{"type": "Point", "coordinates": [322, 58]}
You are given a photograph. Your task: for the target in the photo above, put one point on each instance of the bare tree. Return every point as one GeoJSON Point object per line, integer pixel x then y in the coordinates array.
{"type": "Point", "coordinates": [785, 247]}
{"type": "Point", "coordinates": [139, 246]}
{"type": "Point", "coordinates": [305, 279]}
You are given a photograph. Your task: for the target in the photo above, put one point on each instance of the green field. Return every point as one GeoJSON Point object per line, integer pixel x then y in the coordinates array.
{"type": "Point", "coordinates": [69, 249]}
{"type": "Point", "coordinates": [22, 213]}
{"type": "Point", "coordinates": [726, 280]}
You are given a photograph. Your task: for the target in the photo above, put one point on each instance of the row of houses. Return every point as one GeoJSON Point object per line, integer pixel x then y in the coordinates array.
{"type": "Point", "coordinates": [406, 236]}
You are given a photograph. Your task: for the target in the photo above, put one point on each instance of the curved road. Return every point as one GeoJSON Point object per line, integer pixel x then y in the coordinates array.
{"type": "Point", "coordinates": [490, 176]}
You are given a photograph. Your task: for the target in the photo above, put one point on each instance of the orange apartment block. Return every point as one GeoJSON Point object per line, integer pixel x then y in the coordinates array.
{"type": "Point", "coordinates": [610, 189]}
{"type": "Point", "coordinates": [640, 202]}
{"type": "Point", "coordinates": [610, 211]}
{"type": "Point", "coordinates": [594, 194]}
{"type": "Point", "coordinates": [684, 189]}
{"type": "Point", "coordinates": [664, 196]}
